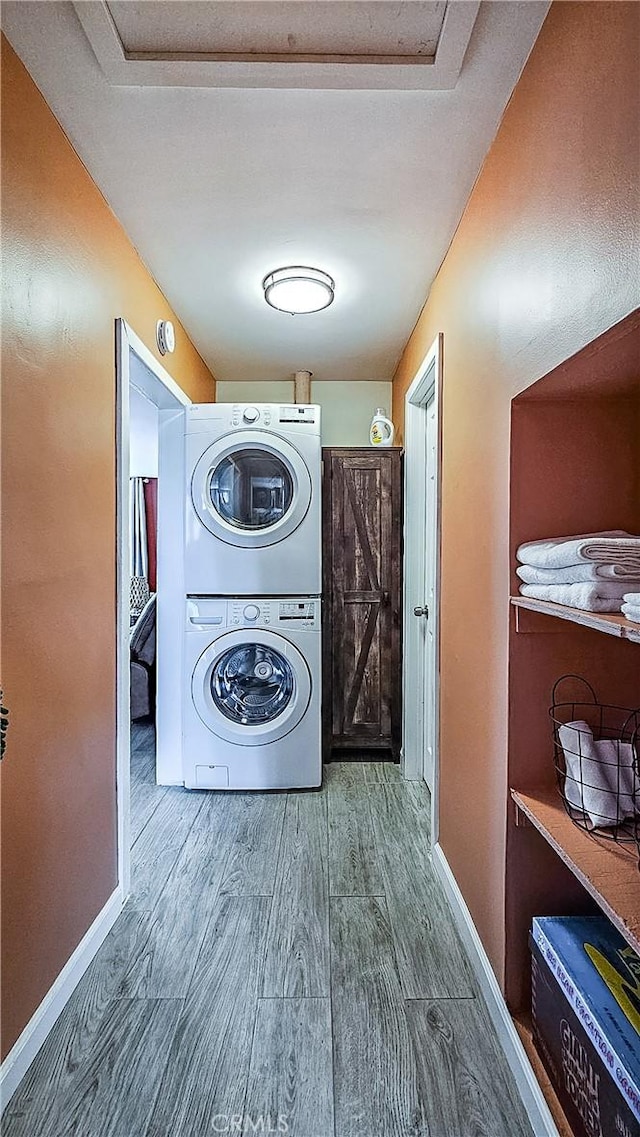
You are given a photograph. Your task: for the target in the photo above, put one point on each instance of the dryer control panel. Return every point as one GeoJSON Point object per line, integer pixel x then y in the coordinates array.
{"type": "Point", "coordinates": [298, 413]}
{"type": "Point", "coordinates": [204, 612]}
{"type": "Point", "coordinates": [273, 414]}
{"type": "Point", "coordinates": [218, 418]}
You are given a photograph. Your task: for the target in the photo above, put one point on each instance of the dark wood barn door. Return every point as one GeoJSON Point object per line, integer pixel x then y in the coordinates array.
{"type": "Point", "coordinates": [362, 594]}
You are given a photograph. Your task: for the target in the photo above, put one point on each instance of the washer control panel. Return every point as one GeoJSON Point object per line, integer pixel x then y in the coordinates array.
{"type": "Point", "coordinates": [206, 613]}
{"type": "Point", "coordinates": [292, 612]}
{"type": "Point", "coordinates": [265, 613]}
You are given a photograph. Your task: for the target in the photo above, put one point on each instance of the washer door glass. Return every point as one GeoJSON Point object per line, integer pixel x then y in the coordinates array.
{"type": "Point", "coordinates": [252, 684]}
{"type": "Point", "coordinates": [251, 489]}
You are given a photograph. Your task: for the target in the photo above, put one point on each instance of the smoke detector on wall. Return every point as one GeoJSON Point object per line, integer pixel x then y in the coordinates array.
{"type": "Point", "coordinates": [165, 337]}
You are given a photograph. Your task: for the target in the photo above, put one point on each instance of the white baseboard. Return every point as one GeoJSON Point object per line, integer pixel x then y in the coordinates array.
{"type": "Point", "coordinates": [535, 1104]}
{"type": "Point", "coordinates": [34, 1034]}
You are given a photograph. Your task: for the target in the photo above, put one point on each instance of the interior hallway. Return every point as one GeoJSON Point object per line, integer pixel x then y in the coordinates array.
{"type": "Point", "coordinates": [288, 957]}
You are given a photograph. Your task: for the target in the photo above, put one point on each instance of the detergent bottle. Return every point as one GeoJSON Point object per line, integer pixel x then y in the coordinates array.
{"type": "Point", "coordinates": [382, 429]}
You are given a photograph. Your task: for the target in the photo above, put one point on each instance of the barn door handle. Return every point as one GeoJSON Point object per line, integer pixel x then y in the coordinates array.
{"type": "Point", "coordinates": [4, 725]}
{"type": "Point", "coordinates": [385, 599]}
{"type": "Point", "coordinates": [419, 611]}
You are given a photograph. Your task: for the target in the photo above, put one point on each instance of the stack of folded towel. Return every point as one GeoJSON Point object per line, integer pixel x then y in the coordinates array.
{"type": "Point", "coordinates": [592, 571]}
{"type": "Point", "coordinates": [631, 606]}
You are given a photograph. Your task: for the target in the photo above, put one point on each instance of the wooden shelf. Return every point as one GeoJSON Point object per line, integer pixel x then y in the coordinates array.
{"type": "Point", "coordinates": [522, 1024]}
{"type": "Point", "coordinates": [613, 624]}
{"type": "Point", "coordinates": [609, 872]}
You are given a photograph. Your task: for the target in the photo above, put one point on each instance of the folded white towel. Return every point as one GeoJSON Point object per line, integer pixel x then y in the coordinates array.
{"type": "Point", "coordinates": [632, 598]}
{"type": "Point", "coordinates": [602, 597]}
{"type": "Point", "coordinates": [600, 778]}
{"type": "Point", "coordinates": [582, 573]}
{"type": "Point", "coordinates": [632, 612]}
{"type": "Point", "coordinates": [614, 546]}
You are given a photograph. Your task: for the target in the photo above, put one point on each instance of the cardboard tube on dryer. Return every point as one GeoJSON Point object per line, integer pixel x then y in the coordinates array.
{"type": "Point", "coordinates": [302, 386]}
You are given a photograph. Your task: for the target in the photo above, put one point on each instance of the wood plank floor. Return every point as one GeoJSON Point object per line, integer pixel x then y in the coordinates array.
{"type": "Point", "coordinates": [287, 962]}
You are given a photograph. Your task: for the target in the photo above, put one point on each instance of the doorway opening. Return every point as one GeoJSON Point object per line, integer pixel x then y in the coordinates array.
{"type": "Point", "coordinates": [149, 405]}
{"type": "Point", "coordinates": [422, 574]}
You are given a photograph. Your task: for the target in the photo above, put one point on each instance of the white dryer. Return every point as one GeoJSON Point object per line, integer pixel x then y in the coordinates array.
{"type": "Point", "coordinates": [251, 700]}
{"type": "Point", "coordinates": [253, 500]}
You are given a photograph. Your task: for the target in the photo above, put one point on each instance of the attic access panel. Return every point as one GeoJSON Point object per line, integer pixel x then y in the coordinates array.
{"type": "Point", "coordinates": [333, 44]}
{"type": "Point", "coordinates": [305, 27]}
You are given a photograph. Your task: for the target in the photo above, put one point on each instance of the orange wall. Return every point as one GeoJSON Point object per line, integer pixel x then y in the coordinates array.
{"type": "Point", "coordinates": [544, 260]}
{"type": "Point", "coordinates": [68, 271]}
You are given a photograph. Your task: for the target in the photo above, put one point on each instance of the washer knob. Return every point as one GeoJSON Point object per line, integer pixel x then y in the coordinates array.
{"type": "Point", "coordinates": [251, 414]}
{"type": "Point", "coordinates": [251, 612]}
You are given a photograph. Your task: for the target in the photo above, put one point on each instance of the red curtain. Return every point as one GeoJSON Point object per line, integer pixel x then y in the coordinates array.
{"type": "Point", "coordinates": [151, 510]}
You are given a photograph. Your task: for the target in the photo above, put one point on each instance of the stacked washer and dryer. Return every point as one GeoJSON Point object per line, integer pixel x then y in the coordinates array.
{"type": "Point", "coordinates": [251, 715]}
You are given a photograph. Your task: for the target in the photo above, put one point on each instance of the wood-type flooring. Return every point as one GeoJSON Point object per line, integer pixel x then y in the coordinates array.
{"type": "Point", "coordinates": [286, 964]}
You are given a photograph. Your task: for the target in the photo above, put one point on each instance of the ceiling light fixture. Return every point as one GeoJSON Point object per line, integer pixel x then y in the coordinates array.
{"type": "Point", "coordinates": [298, 289]}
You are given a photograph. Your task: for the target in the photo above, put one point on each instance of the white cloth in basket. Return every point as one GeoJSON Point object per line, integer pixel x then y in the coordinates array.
{"type": "Point", "coordinates": [600, 782]}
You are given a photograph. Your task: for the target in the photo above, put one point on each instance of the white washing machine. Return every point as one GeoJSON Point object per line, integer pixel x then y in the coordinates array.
{"type": "Point", "coordinates": [253, 500]}
{"type": "Point", "coordinates": [251, 714]}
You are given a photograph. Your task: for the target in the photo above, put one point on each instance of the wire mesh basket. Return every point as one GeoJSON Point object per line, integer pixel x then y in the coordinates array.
{"type": "Point", "coordinates": [596, 752]}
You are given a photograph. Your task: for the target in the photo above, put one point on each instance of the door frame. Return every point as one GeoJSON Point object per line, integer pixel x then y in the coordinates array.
{"type": "Point", "coordinates": [425, 388]}
{"type": "Point", "coordinates": [156, 384]}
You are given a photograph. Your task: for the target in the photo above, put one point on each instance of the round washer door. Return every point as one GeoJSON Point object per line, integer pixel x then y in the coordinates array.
{"type": "Point", "coordinates": [251, 687]}
{"type": "Point", "coordinates": [251, 489]}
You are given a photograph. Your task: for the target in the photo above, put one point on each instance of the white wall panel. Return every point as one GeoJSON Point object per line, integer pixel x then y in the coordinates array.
{"type": "Point", "coordinates": [143, 438]}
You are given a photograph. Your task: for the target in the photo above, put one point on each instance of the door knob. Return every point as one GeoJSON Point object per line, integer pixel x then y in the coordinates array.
{"type": "Point", "coordinates": [421, 611]}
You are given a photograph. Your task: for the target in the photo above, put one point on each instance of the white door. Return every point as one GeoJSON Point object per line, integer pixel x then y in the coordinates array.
{"type": "Point", "coordinates": [421, 534]}
{"type": "Point", "coordinates": [430, 599]}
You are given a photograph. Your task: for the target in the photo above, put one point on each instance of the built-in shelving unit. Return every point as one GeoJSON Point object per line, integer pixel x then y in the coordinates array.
{"type": "Point", "coordinates": [608, 871]}
{"type": "Point", "coordinates": [523, 1027]}
{"type": "Point", "coordinates": [613, 624]}
{"type": "Point", "coordinates": [575, 468]}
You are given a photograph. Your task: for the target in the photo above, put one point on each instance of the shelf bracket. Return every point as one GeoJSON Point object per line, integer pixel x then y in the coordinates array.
{"type": "Point", "coordinates": [528, 623]}
{"type": "Point", "coordinates": [521, 819]}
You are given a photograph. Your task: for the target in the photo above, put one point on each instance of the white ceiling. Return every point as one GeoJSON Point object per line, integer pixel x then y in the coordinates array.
{"type": "Point", "coordinates": [218, 185]}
